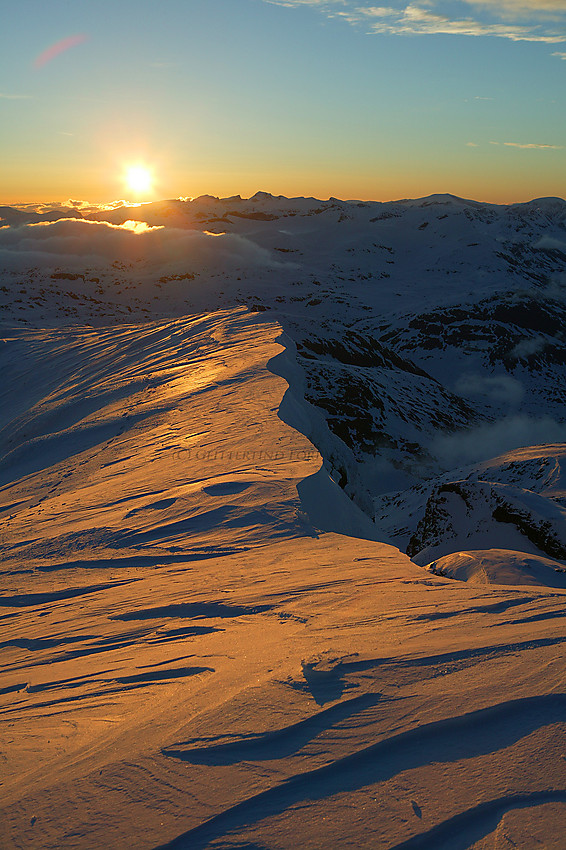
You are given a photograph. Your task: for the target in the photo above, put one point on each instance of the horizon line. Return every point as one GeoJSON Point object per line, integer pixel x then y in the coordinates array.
{"type": "Point", "coordinates": [119, 203]}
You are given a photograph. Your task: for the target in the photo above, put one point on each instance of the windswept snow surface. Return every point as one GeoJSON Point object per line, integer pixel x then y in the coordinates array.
{"type": "Point", "coordinates": [283, 515]}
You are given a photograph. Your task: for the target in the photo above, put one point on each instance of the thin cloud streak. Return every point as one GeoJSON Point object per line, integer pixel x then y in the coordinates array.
{"type": "Point", "coordinates": [521, 8]}
{"type": "Point", "coordinates": [320, 3]}
{"type": "Point", "coordinates": [529, 146]}
{"type": "Point", "coordinates": [532, 146]}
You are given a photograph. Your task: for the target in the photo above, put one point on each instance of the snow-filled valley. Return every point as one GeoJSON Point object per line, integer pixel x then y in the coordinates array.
{"type": "Point", "coordinates": [283, 520]}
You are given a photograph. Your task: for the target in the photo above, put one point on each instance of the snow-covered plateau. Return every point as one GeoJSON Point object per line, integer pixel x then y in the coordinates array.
{"type": "Point", "coordinates": [283, 524]}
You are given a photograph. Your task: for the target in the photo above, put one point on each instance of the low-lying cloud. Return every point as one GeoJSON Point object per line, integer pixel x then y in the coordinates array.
{"type": "Point", "coordinates": [494, 439]}
{"type": "Point", "coordinates": [69, 243]}
{"type": "Point", "coordinates": [548, 243]}
{"type": "Point", "coordinates": [527, 347]}
{"type": "Point", "coordinates": [495, 388]}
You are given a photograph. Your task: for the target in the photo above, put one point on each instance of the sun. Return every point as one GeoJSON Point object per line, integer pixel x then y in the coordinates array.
{"type": "Point", "coordinates": [139, 179]}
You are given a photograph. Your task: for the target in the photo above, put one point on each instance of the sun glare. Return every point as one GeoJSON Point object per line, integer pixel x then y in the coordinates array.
{"type": "Point", "coordinates": [139, 179]}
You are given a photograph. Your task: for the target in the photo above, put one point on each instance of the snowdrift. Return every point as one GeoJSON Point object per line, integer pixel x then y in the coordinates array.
{"type": "Point", "coordinates": [500, 566]}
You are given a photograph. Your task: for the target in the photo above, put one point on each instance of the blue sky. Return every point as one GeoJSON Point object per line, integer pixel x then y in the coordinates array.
{"type": "Point", "coordinates": [295, 97]}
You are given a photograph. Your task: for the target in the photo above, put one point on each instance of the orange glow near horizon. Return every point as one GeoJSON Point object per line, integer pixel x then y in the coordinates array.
{"type": "Point", "coordinates": [101, 187]}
